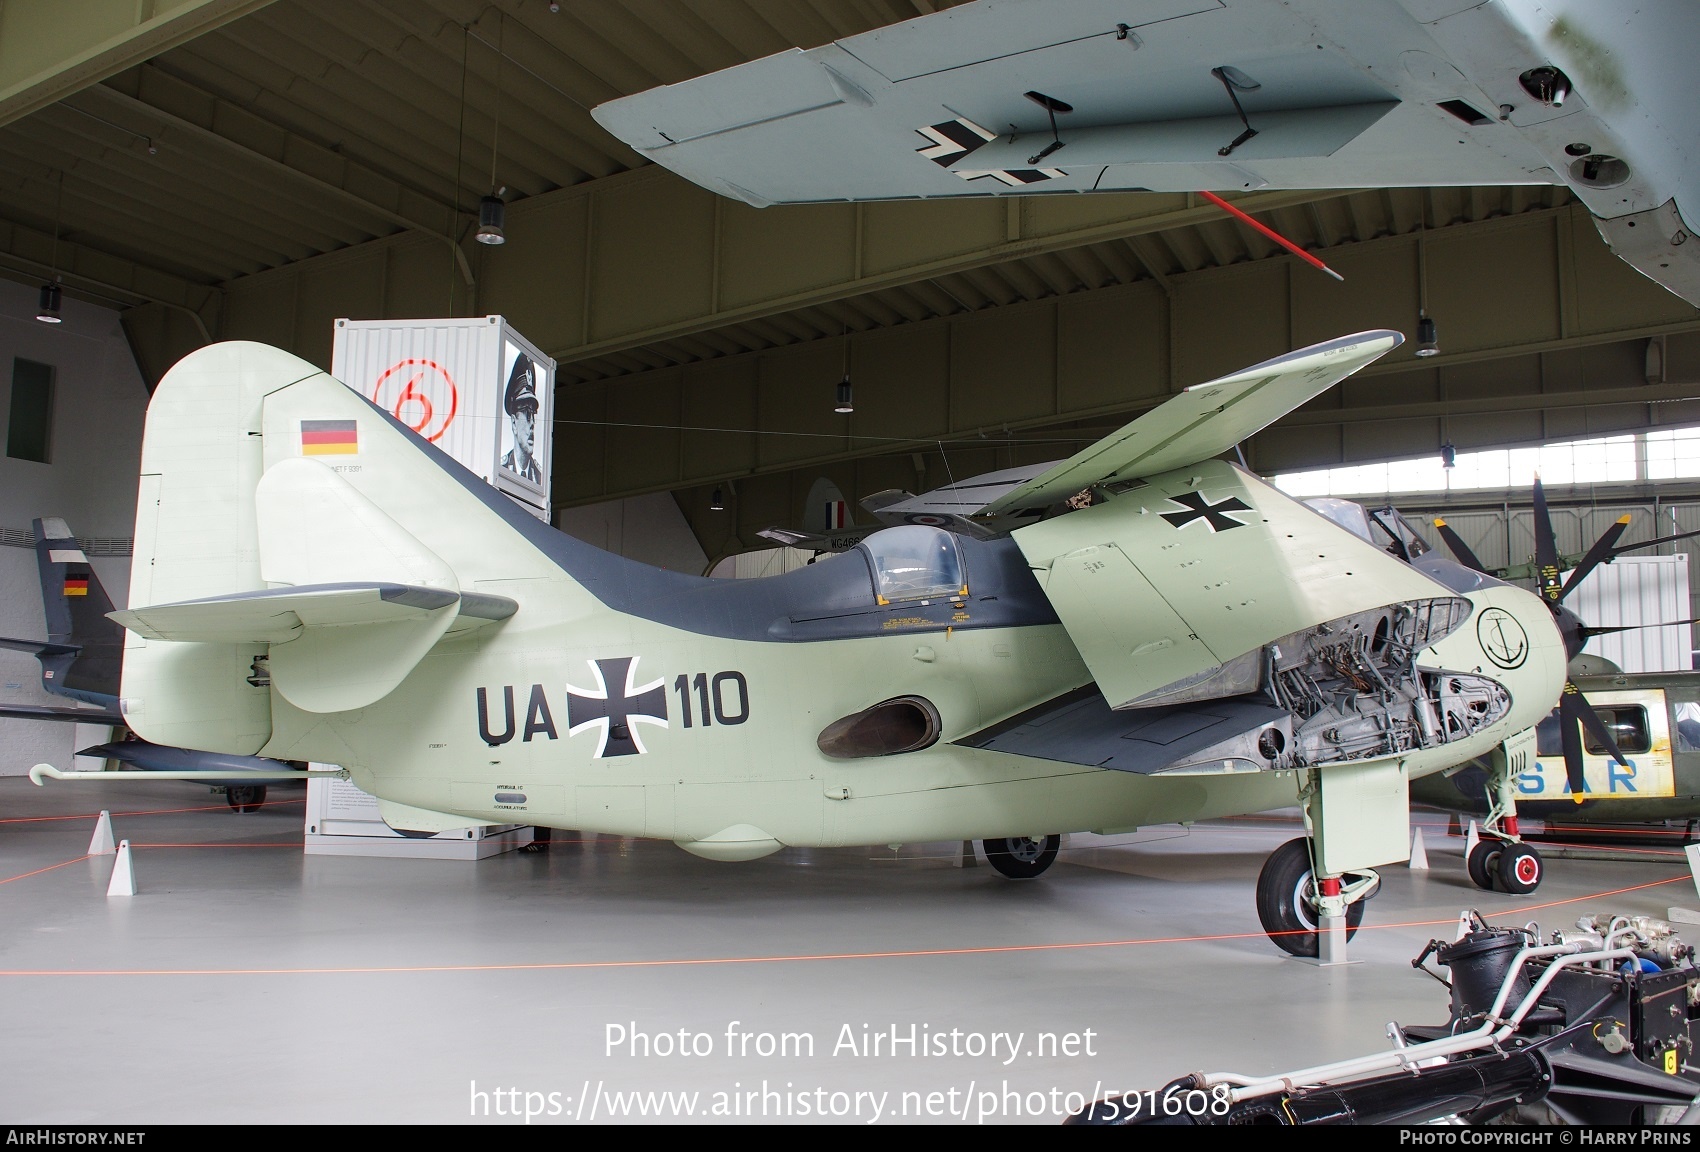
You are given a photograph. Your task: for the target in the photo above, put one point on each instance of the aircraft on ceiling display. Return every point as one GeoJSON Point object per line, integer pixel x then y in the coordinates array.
{"type": "Point", "coordinates": [1018, 97]}
{"type": "Point", "coordinates": [1191, 643]}
{"type": "Point", "coordinates": [81, 660]}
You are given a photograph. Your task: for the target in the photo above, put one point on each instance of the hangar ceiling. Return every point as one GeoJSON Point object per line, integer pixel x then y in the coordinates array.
{"type": "Point", "coordinates": [255, 170]}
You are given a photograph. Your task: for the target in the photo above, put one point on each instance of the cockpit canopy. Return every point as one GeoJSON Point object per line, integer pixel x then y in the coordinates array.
{"type": "Point", "coordinates": [915, 562]}
{"type": "Point", "coordinates": [1384, 527]}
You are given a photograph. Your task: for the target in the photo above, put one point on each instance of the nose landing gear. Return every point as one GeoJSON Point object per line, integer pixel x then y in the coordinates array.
{"type": "Point", "coordinates": [1501, 860]}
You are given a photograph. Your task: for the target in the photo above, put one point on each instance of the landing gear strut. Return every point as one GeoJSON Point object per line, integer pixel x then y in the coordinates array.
{"type": "Point", "coordinates": [1022, 857]}
{"type": "Point", "coordinates": [1289, 900]}
{"type": "Point", "coordinates": [1501, 860]}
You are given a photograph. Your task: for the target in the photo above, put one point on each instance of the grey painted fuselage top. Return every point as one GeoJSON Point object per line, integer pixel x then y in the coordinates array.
{"type": "Point", "coordinates": [832, 600]}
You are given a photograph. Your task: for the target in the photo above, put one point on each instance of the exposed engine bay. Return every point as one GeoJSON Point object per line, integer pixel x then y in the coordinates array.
{"type": "Point", "coordinates": [1348, 689]}
{"type": "Point", "coordinates": [1588, 1025]}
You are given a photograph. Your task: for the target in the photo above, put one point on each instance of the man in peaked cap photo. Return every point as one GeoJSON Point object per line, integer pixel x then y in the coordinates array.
{"type": "Point", "coordinates": [520, 403]}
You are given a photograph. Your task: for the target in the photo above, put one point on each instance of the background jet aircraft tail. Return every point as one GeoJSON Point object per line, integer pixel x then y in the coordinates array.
{"type": "Point", "coordinates": [83, 652]}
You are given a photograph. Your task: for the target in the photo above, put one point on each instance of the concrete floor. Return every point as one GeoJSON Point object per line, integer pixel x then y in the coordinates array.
{"type": "Point", "coordinates": [246, 982]}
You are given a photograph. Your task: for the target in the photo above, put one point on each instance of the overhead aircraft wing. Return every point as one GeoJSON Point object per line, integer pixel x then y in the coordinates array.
{"type": "Point", "coordinates": [943, 105]}
{"type": "Point", "coordinates": [1204, 421]}
{"type": "Point", "coordinates": [65, 714]}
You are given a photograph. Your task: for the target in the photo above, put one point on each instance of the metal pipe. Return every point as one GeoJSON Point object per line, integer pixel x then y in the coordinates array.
{"type": "Point", "coordinates": [49, 771]}
{"type": "Point", "coordinates": [1492, 1030]}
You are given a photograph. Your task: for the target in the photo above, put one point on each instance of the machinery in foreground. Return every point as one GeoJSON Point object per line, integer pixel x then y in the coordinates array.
{"type": "Point", "coordinates": [1589, 1026]}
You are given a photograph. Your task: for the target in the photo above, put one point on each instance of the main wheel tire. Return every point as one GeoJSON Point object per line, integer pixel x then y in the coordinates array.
{"type": "Point", "coordinates": [1483, 863]}
{"type": "Point", "coordinates": [1022, 857]}
{"type": "Point", "coordinates": [1286, 900]}
{"type": "Point", "coordinates": [245, 797]}
{"type": "Point", "coordinates": [1519, 869]}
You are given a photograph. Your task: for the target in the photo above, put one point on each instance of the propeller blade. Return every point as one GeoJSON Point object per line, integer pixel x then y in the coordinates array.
{"type": "Point", "coordinates": [1651, 543]}
{"type": "Point", "coordinates": [1590, 630]}
{"type": "Point", "coordinates": [1572, 739]}
{"type": "Point", "coordinates": [1597, 555]}
{"type": "Point", "coordinates": [1459, 549]}
{"type": "Point", "coordinates": [1546, 547]}
{"type": "Point", "coordinates": [1574, 710]}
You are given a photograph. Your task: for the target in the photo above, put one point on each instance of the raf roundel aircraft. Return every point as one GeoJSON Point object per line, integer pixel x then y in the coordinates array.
{"type": "Point", "coordinates": [1004, 97]}
{"type": "Point", "coordinates": [1190, 643]}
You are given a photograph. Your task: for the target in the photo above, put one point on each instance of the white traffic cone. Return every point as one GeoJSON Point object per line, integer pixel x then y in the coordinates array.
{"type": "Point", "coordinates": [1419, 853]}
{"type": "Point", "coordinates": [1471, 839]}
{"type": "Point", "coordinates": [123, 873]}
{"type": "Point", "coordinates": [101, 844]}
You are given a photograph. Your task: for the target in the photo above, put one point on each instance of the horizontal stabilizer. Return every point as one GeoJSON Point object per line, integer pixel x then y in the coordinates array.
{"type": "Point", "coordinates": [334, 647]}
{"type": "Point", "coordinates": [39, 647]}
{"type": "Point", "coordinates": [278, 615]}
{"type": "Point", "coordinates": [63, 714]}
{"type": "Point", "coordinates": [1204, 421]}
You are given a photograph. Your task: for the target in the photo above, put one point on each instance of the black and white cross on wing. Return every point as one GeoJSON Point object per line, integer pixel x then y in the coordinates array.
{"type": "Point", "coordinates": [1215, 516]}
{"type": "Point", "coordinates": [617, 714]}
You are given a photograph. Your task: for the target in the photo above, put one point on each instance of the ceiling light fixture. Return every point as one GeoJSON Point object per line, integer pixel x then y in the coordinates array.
{"type": "Point", "coordinates": [48, 312]}
{"type": "Point", "coordinates": [1427, 344]}
{"type": "Point", "coordinates": [1448, 455]}
{"type": "Point", "coordinates": [492, 209]}
{"type": "Point", "coordinates": [717, 502]}
{"type": "Point", "coordinates": [492, 213]}
{"type": "Point", "coordinates": [845, 404]}
{"type": "Point", "coordinates": [51, 295]}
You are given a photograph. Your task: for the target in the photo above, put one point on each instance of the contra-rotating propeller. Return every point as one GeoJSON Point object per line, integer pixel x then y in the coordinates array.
{"type": "Point", "coordinates": [1574, 711]}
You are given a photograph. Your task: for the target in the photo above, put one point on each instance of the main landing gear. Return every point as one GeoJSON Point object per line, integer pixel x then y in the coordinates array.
{"type": "Point", "coordinates": [1501, 860]}
{"type": "Point", "coordinates": [1022, 857]}
{"type": "Point", "coordinates": [1290, 901]}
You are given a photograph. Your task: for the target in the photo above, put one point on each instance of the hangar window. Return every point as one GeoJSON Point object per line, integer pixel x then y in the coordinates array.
{"type": "Point", "coordinates": [914, 561]}
{"type": "Point", "coordinates": [30, 421]}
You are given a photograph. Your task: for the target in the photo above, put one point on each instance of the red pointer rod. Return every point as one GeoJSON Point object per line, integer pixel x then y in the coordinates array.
{"type": "Point", "coordinates": [1271, 233]}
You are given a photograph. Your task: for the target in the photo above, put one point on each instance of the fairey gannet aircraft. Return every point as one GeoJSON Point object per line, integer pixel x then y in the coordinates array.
{"type": "Point", "coordinates": [1193, 643]}
{"type": "Point", "coordinates": [1022, 96]}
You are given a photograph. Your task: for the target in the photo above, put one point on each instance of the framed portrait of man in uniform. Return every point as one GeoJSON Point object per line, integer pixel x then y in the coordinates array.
{"type": "Point", "coordinates": [524, 419]}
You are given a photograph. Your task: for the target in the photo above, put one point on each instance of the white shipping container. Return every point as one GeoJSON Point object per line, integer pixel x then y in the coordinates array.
{"type": "Point", "coordinates": [461, 383]}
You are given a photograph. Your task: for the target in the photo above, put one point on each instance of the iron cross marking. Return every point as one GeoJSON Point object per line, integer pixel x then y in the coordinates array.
{"type": "Point", "coordinates": [616, 706]}
{"type": "Point", "coordinates": [1214, 515]}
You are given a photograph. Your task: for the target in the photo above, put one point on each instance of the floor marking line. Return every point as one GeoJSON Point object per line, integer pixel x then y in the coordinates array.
{"type": "Point", "coordinates": [708, 961]}
{"type": "Point", "coordinates": [49, 868]}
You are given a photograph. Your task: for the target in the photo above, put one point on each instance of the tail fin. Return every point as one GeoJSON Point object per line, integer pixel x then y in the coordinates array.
{"type": "Point", "coordinates": [827, 510]}
{"type": "Point", "coordinates": [85, 650]}
{"type": "Point", "coordinates": [261, 476]}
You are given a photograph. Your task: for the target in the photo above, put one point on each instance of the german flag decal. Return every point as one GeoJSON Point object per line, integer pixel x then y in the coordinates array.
{"type": "Point", "coordinates": [329, 438]}
{"type": "Point", "coordinates": [76, 585]}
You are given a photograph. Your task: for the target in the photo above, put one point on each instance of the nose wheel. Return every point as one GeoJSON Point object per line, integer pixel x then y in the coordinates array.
{"type": "Point", "coordinates": [1507, 867]}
